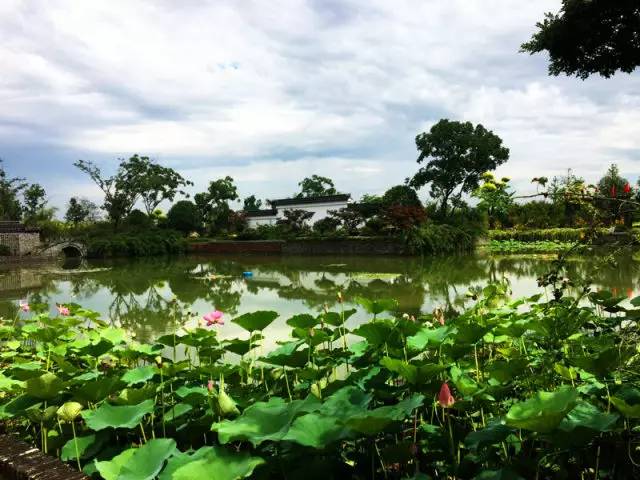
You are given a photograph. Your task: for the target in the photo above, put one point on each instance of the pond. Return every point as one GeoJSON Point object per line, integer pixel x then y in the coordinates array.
{"type": "Point", "coordinates": [137, 293]}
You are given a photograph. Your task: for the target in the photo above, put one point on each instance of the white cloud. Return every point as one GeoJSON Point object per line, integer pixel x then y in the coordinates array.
{"type": "Point", "coordinates": [278, 90]}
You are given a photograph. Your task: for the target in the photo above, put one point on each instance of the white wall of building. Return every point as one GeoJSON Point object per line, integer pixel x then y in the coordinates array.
{"type": "Point", "coordinates": [320, 211]}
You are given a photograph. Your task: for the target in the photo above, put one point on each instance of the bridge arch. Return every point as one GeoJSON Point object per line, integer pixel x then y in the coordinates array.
{"type": "Point", "coordinates": [68, 249]}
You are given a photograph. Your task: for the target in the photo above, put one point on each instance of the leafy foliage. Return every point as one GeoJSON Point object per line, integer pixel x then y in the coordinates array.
{"type": "Point", "coordinates": [588, 37]}
{"type": "Point", "coordinates": [456, 155]}
{"type": "Point", "coordinates": [316, 186]}
{"type": "Point", "coordinates": [537, 387]}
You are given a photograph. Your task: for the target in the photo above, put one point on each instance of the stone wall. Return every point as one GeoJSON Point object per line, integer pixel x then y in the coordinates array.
{"type": "Point", "coordinates": [22, 243]}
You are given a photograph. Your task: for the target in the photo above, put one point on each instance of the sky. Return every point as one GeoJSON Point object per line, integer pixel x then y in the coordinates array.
{"type": "Point", "coordinates": [271, 92]}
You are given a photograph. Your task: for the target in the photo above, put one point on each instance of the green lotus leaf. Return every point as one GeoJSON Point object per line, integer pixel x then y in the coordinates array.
{"type": "Point", "coordinates": [9, 384]}
{"type": "Point", "coordinates": [176, 411]}
{"type": "Point", "coordinates": [133, 396]}
{"type": "Point", "coordinates": [113, 335]}
{"type": "Point", "coordinates": [429, 336]}
{"type": "Point", "coordinates": [139, 375]}
{"type": "Point", "coordinates": [586, 415]}
{"type": "Point", "coordinates": [317, 431]}
{"type": "Point", "coordinates": [96, 390]}
{"type": "Point", "coordinates": [544, 411]}
{"type": "Point", "coordinates": [492, 434]}
{"type": "Point", "coordinates": [264, 421]}
{"type": "Point", "coordinates": [304, 321]}
{"type": "Point", "coordinates": [226, 405]}
{"type": "Point", "coordinates": [192, 395]}
{"type": "Point", "coordinates": [377, 332]}
{"type": "Point", "coordinates": [377, 306]}
{"type": "Point", "coordinates": [288, 355]}
{"type": "Point", "coordinates": [45, 386]}
{"type": "Point", "coordinates": [69, 411]}
{"type": "Point", "coordinates": [256, 321]}
{"type": "Point", "coordinates": [501, 474]}
{"type": "Point", "coordinates": [17, 406]}
{"type": "Point", "coordinates": [37, 414]}
{"type": "Point", "coordinates": [374, 421]}
{"type": "Point", "coordinates": [224, 464]}
{"type": "Point", "coordinates": [336, 319]}
{"type": "Point", "coordinates": [142, 463]}
{"type": "Point", "coordinates": [109, 416]}
{"type": "Point", "coordinates": [88, 446]}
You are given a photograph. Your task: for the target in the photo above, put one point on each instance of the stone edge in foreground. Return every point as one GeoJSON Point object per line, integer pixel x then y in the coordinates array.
{"type": "Point", "coordinates": [20, 461]}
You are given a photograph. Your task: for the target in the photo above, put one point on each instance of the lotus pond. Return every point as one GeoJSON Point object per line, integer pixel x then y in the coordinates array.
{"type": "Point", "coordinates": [413, 374]}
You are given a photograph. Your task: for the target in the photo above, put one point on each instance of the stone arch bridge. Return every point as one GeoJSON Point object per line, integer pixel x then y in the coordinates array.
{"type": "Point", "coordinates": [67, 248]}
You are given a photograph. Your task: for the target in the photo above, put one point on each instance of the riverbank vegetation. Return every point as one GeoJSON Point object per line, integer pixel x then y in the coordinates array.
{"type": "Point", "coordinates": [467, 203]}
{"type": "Point", "coordinates": [508, 389]}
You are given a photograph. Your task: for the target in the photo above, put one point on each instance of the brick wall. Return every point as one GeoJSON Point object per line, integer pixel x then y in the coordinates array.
{"type": "Point", "coordinates": [23, 243]}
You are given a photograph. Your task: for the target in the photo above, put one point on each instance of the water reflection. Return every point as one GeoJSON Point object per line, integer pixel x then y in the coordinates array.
{"type": "Point", "coordinates": [137, 294]}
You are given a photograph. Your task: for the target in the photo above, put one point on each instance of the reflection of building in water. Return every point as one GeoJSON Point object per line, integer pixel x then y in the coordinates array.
{"type": "Point", "coordinates": [17, 283]}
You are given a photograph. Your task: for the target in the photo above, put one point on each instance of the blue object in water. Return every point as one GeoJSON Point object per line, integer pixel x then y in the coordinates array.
{"type": "Point", "coordinates": [247, 274]}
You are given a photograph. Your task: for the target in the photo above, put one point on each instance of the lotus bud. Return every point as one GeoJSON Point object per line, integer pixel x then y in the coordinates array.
{"type": "Point", "coordinates": [69, 411]}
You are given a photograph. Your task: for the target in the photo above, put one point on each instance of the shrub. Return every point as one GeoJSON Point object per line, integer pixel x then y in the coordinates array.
{"type": "Point", "coordinates": [5, 251]}
{"type": "Point", "coordinates": [138, 220]}
{"type": "Point", "coordinates": [549, 234]}
{"type": "Point", "coordinates": [326, 225]}
{"type": "Point", "coordinates": [440, 239]}
{"type": "Point", "coordinates": [157, 242]}
{"type": "Point", "coordinates": [184, 216]}
{"type": "Point", "coordinates": [401, 195]}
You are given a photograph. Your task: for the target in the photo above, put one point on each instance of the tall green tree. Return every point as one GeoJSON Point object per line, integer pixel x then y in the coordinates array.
{"type": "Point", "coordinates": [590, 36]}
{"type": "Point", "coordinates": [316, 186]}
{"type": "Point", "coordinates": [10, 189]}
{"type": "Point", "coordinates": [35, 199]}
{"type": "Point", "coordinates": [456, 155]}
{"type": "Point", "coordinates": [251, 204]}
{"type": "Point", "coordinates": [154, 182]}
{"type": "Point", "coordinates": [121, 191]}
{"type": "Point", "coordinates": [213, 204]}
{"type": "Point", "coordinates": [401, 195]}
{"type": "Point", "coordinates": [81, 210]}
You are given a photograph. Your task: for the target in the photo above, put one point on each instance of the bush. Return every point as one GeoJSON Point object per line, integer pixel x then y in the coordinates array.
{"type": "Point", "coordinates": [326, 225]}
{"type": "Point", "coordinates": [435, 239]}
{"type": "Point", "coordinates": [549, 234]}
{"type": "Point", "coordinates": [184, 216]}
{"type": "Point", "coordinates": [137, 220]}
{"type": "Point", "coordinates": [154, 243]}
{"type": "Point", "coordinates": [5, 251]}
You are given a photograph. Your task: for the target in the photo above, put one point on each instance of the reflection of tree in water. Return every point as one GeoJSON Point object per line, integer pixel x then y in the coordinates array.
{"type": "Point", "coordinates": [139, 291]}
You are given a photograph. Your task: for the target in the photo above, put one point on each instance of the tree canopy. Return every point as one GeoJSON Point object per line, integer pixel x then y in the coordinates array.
{"type": "Point", "coordinates": [456, 155]}
{"type": "Point", "coordinates": [251, 204]}
{"type": "Point", "coordinates": [35, 199]}
{"type": "Point", "coordinates": [120, 190]}
{"type": "Point", "coordinates": [81, 210]}
{"type": "Point", "coordinates": [10, 188]}
{"type": "Point", "coordinates": [589, 37]}
{"type": "Point", "coordinates": [316, 186]}
{"type": "Point", "coordinates": [154, 182]}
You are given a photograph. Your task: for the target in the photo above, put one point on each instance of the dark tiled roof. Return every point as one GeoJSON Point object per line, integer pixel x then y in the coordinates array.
{"type": "Point", "coordinates": [9, 226]}
{"type": "Point", "coordinates": [341, 197]}
{"type": "Point", "coordinates": [261, 213]}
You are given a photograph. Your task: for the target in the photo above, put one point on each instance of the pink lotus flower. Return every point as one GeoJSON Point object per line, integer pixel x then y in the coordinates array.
{"type": "Point", "coordinates": [613, 191]}
{"type": "Point", "coordinates": [62, 310]}
{"type": "Point", "coordinates": [210, 385]}
{"type": "Point", "coordinates": [24, 306]}
{"type": "Point", "coordinates": [445, 398]}
{"type": "Point", "coordinates": [214, 318]}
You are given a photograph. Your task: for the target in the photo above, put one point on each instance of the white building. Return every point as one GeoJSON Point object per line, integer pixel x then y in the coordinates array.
{"type": "Point", "coordinates": [320, 207]}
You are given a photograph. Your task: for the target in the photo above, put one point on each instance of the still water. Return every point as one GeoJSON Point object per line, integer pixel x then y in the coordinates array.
{"type": "Point", "coordinates": [136, 294]}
